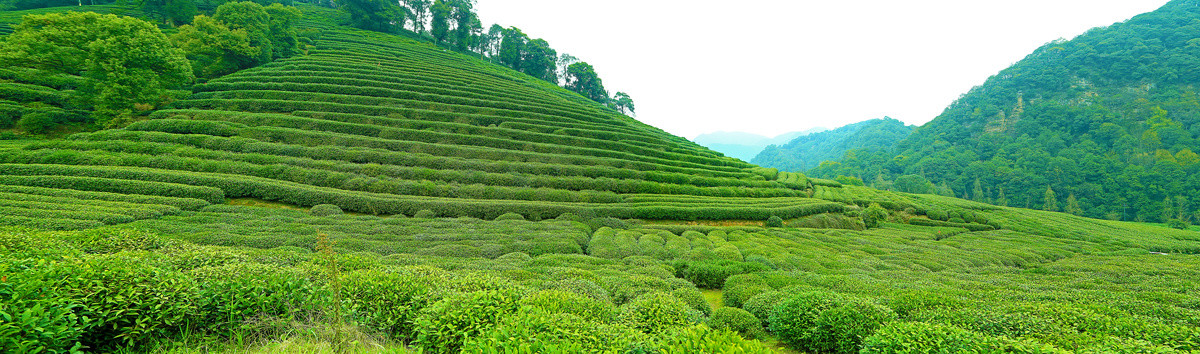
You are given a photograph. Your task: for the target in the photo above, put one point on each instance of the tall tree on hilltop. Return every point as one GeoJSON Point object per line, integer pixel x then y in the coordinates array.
{"type": "Point", "coordinates": [439, 25]}
{"type": "Point", "coordinates": [538, 60]}
{"type": "Point", "coordinates": [621, 102]}
{"type": "Point", "coordinates": [582, 78]}
{"type": "Point", "coordinates": [420, 13]}
{"type": "Point", "coordinates": [511, 46]}
{"type": "Point", "coordinates": [466, 24]}
{"type": "Point", "coordinates": [564, 61]}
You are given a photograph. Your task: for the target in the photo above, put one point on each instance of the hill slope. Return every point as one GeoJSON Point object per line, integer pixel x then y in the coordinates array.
{"type": "Point", "coordinates": [806, 152]}
{"type": "Point", "coordinates": [1108, 121]}
{"type": "Point", "coordinates": [383, 125]}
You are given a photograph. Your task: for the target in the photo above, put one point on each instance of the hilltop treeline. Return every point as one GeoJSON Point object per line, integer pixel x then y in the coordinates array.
{"type": "Point", "coordinates": [1104, 125]}
{"type": "Point", "coordinates": [455, 25]}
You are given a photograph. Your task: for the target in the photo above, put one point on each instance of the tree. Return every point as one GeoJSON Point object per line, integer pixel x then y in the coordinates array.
{"type": "Point", "coordinates": [977, 192]}
{"type": "Point", "coordinates": [538, 60]}
{"type": "Point", "coordinates": [281, 24]}
{"type": "Point", "coordinates": [254, 20]}
{"type": "Point", "coordinates": [582, 78]}
{"type": "Point", "coordinates": [1050, 202]}
{"type": "Point", "coordinates": [1073, 206]}
{"type": "Point", "coordinates": [466, 24]}
{"type": "Point", "coordinates": [439, 26]}
{"type": "Point", "coordinates": [374, 15]}
{"type": "Point", "coordinates": [240, 35]}
{"type": "Point", "coordinates": [129, 65]}
{"type": "Point", "coordinates": [913, 184]}
{"type": "Point", "coordinates": [622, 103]}
{"type": "Point", "coordinates": [564, 61]}
{"type": "Point", "coordinates": [420, 13]}
{"type": "Point", "coordinates": [491, 42]}
{"type": "Point", "coordinates": [511, 46]}
{"type": "Point", "coordinates": [213, 48]}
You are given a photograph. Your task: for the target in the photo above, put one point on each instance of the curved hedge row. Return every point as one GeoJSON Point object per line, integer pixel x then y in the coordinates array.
{"type": "Point", "coordinates": [25, 175]}
{"type": "Point", "coordinates": [399, 159]}
{"type": "Point", "coordinates": [81, 196]}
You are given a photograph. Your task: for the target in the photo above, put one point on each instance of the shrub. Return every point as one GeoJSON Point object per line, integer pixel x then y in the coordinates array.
{"type": "Point", "coordinates": [841, 329]}
{"type": "Point", "coordinates": [693, 298]}
{"type": "Point", "coordinates": [445, 325]}
{"type": "Point", "coordinates": [736, 295]}
{"type": "Point", "coordinates": [559, 301]}
{"type": "Point", "coordinates": [919, 337]}
{"type": "Point", "coordinates": [761, 305]}
{"type": "Point", "coordinates": [712, 274]}
{"type": "Point", "coordinates": [325, 210]}
{"type": "Point", "coordinates": [535, 330]}
{"type": "Point", "coordinates": [385, 301]}
{"type": "Point", "coordinates": [1178, 224]}
{"type": "Point", "coordinates": [737, 320]}
{"type": "Point", "coordinates": [702, 339]}
{"type": "Point", "coordinates": [36, 122]}
{"type": "Point", "coordinates": [425, 214]}
{"type": "Point", "coordinates": [655, 312]}
{"type": "Point", "coordinates": [774, 221]}
{"type": "Point", "coordinates": [510, 216]}
{"type": "Point", "coordinates": [795, 320]}
{"type": "Point", "coordinates": [874, 215]}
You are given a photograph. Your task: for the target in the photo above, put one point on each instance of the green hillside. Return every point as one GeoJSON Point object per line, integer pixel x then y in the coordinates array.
{"type": "Point", "coordinates": [806, 152]}
{"type": "Point", "coordinates": [378, 193]}
{"type": "Point", "coordinates": [1107, 121]}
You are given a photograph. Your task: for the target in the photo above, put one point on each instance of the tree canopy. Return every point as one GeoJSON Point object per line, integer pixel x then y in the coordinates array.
{"type": "Point", "coordinates": [129, 64]}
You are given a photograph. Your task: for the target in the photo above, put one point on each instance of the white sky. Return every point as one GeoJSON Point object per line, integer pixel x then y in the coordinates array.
{"type": "Point", "coordinates": [774, 66]}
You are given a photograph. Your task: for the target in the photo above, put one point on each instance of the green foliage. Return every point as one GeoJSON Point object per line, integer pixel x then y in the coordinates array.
{"type": "Point", "coordinates": [1178, 224]}
{"type": "Point", "coordinates": [796, 321]}
{"type": "Point", "coordinates": [702, 339]}
{"type": "Point", "coordinates": [655, 312]}
{"type": "Point", "coordinates": [445, 325]}
{"type": "Point", "coordinates": [581, 78]}
{"type": "Point", "coordinates": [916, 337]}
{"type": "Point", "coordinates": [711, 274]}
{"type": "Point", "coordinates": [388, 302]}
{"type": "Point", "coordinates": [761, 304]}
{"type": "Point", "coordinates": [573, 303]}
{"type": "Point", "coordinates": [510, 216]}
{"type": "Point", "coordinates": [737, 320]}
{"type": "Point", "coordinates": [534, 330]}
{"type": "Point", "coordinates": [130, 66]}
{"type": "Point", "coordinates": [774, 221]}
{"type": "Point", "coordinates": [325, 210]}
{"type": "Point", "coordinates": [874, 215]}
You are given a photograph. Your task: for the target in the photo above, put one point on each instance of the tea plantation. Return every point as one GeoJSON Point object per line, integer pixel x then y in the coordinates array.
{"type": "Point", "coordinates": [382, 194]}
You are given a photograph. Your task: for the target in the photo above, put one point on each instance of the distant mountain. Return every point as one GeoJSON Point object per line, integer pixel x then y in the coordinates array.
{"type": "Point", "coordinates": [745, 146]}
{"type": "Point", "coordinates": [1104, 125]}
{"type": "Point", "coordinates": [806, 152]}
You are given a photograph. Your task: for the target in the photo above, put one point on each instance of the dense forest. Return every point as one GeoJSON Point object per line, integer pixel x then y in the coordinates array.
{"type": "Point", "coordinates": [806, 152]}
{"type": "Point", "coordinates": [1103, 125]}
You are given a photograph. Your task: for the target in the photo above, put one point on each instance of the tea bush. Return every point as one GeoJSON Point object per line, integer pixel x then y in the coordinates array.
{"type": "Point", "coordinates": [737, 320]}
{"type": "Point", "coordinates": [655, 312]}
{"type": "Point", "coordinates": [443, 326]}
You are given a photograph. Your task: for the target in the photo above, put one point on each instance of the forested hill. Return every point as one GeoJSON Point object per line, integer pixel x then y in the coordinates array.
{"type": "Point", "coordinates": [808, 151]}
{"type": "Point", "coordinates": [1103, 125]}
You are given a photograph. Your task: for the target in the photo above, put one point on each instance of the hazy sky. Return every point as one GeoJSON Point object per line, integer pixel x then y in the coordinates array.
{"type": "Point", "coordinates": [774, 66]}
